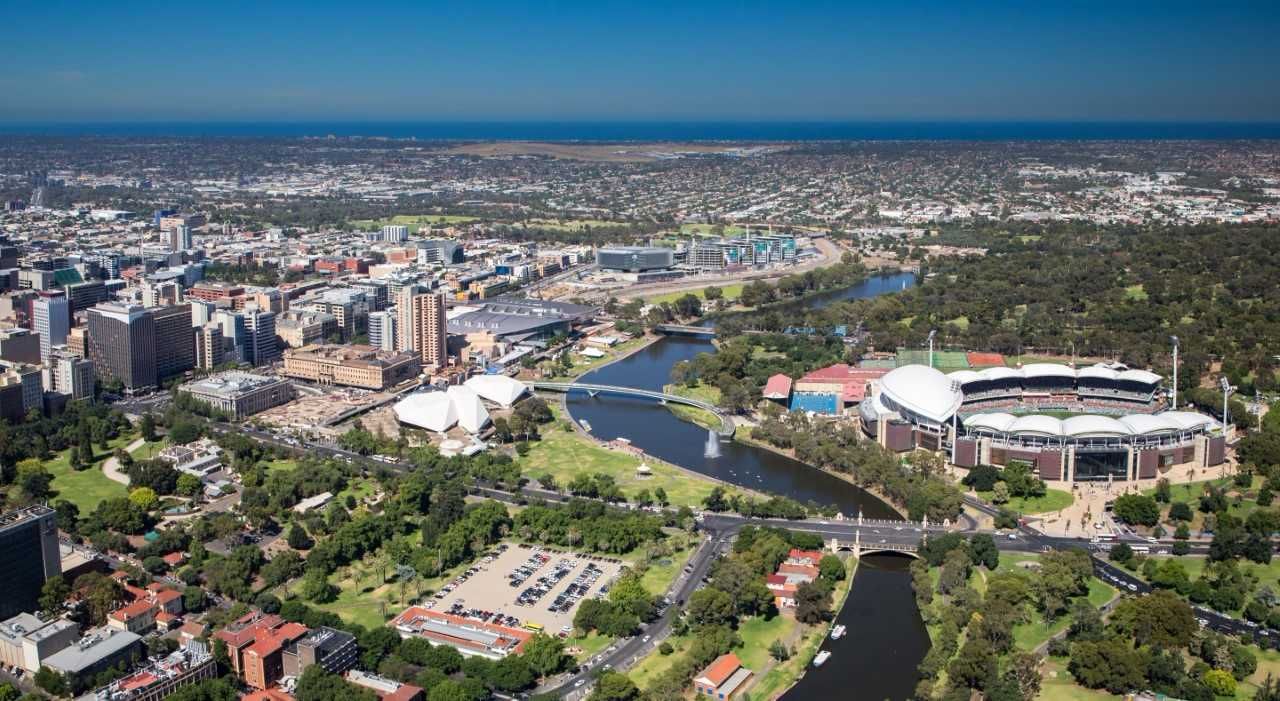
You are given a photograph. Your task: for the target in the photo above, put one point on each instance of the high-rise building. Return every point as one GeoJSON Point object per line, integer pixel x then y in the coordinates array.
{"type": "Point", "coordinates": [29, 549]}
{"type": "Point", "coordinates": [209, 346]}
{"type": "Point", "coordinates": [260, 341]}
{"type": "Point", "coordinates": [175, 350]}
{"type": "Point", "coordinates": [180, 238]}
{"type": "Point", "coordinates": [382, 330]}
{"type": "Point", "coordinates": [21, 390]}
{"type": "Point", "coordinates": [161, 294]}
{"type": "Point", "coordinates": [421, 327]}
{"type": "Point", "coordinates": [51, 318]}
{"type": "Point", "coordinates": [71, 376]}
{"type": "Point", "coordinates": [86, 294]}
{"type": "Point", "coordinates": [121, 344]}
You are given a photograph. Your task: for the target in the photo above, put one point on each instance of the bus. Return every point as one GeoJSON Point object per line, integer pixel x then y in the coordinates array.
{"type": "Point", "coordinates": [1103, 538]}
{"type": "Point", "coordinates": [535, 627]}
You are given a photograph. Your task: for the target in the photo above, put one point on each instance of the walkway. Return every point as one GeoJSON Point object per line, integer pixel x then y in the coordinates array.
{"type": "Point", "coordinates": [111, 466]}
{"type": "Point", "coordinates": [727, 425]}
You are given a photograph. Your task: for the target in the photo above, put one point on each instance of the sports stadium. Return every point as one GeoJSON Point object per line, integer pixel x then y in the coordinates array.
{"type": "Point", "coordinates": [1102, 422]}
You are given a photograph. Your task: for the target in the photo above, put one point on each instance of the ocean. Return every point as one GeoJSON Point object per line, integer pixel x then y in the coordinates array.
{"type": "Point", "coordinates": [614, 131]}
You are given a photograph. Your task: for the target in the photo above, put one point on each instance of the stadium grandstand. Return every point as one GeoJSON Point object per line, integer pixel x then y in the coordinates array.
{"type": "Point", "coordinates": [1104, 422]}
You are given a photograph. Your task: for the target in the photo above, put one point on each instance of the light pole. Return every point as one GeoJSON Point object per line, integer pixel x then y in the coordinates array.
{"type": "Point", "coordinates": [1175, 371]}
{"type": "Point", "coordinates": [932, 333]}
{"type": "Point", "coordinates": [1073, 354]}
{"type": "Point", "coordinates": [1226, 392]}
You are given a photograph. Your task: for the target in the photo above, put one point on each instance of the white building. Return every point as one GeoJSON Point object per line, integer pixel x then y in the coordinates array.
{"type": "Point", "coordinates": [52, 320]}
{"type": "Point", "coordinates": [440, 411]}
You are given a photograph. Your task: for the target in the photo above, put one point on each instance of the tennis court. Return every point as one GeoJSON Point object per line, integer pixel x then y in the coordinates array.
{"type": "Point", "coordinates": [985, 360]}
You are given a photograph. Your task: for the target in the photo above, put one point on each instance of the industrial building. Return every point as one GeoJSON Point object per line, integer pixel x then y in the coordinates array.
{"type": "Point", "coordinates": [26, 640]}
{"type": "Point", "coordinates": [469, 637]}
{"type": "Point", "coordinates": [635, 259]}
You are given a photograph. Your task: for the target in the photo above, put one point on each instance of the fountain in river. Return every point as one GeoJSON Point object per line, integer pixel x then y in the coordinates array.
{"type": "Point", "coordinates": [712, 449]}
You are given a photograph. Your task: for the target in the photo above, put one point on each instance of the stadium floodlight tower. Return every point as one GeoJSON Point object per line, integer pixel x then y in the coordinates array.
{"type": "Point", "coordinates": [1175, 371]}
{"type": "Point", "coordinates": [932, 334]}
{"type": "Point", "coordinates": [1227, 389]}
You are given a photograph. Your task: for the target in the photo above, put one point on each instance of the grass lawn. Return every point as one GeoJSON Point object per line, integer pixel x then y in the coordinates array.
{"type": "Point", "coordinates": [1058, 685]}
{"type": "Point", "coordinates": [1028, 636]}
{"type": "Point", "coordinates": [87, 487]}
{"type": "Point", "coordinates": [731, 291]}
{"type": "Point", "coordinates": [1268, 575]}
{"type": "Point", "coordinates": [758, 634]}
{"type": "Point", "coordinates": [648, 669]}
{"type": "Point", "coordinates": [592, 644]}
{"type": "Point", "coordinates": [693, 414]}
{"type": "Point", "coordinates": [363, 596]}
{"type": "Point", "coordinates": [566, 454]}
{"type": "Point", "coordinates": [568, 224]}
{"type": "Point", "coordinates": [582, 364]}
{"type": "Point", "coordinates": [1053, 500]}
{"type": "Point", "coordinates": [413, 221]}
{"type": "Point", "coordinates": [657, 578]}
{"type": "Point", "coordinates": [785, 674]}
{"type": "Point", "coordinates": [281, 464]}
{"type": "Point", "coordinates": [706, 229]}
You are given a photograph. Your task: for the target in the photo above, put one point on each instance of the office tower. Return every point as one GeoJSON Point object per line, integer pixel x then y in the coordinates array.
{"type": "Point", "coordinates": [202, 312]}
{"type": "Point", "coordinates": [271, 301]}
{"type": "Point", "coordinates": [20, 346]}
{"type": "Point", "coordinates": [180, 238]}
{"type": "Point", "coordinates": [175, 351]}
{"type": "Point", "coordinates": [161, 294]}
{"type": "Point", "coordinates": [422, 327]}
{"type": "Point", "coordinates": [233, 334]}
{"type": "Point", "coordinates": [51, 318]}
{"type": "Point", "coordinates": [121, 344]}
{"type": "Point", "coordinates": [71, 376]}
{"type": "Point", "coordinates": [382, 330]}
{"type": "Point", "coordinates": [29, 551]}
{"type": "Point", "coordinates": [260, 340]}
{"type": "Point", "coordinates": [21, 390]}
{"type": "Point", "coordinates": [86, 294]}
{"type": "Point", "coordinates": [209, 346]}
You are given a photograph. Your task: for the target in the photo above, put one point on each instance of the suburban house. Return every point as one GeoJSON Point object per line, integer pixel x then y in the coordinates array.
{"type": "Point", "coordinates": [722, 678]}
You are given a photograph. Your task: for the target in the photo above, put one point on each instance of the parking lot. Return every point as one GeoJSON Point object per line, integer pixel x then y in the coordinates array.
{"type": "Point", "coordinates": [527, 584]}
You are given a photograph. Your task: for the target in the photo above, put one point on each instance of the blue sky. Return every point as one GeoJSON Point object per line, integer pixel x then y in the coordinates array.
{"type": "Point", "coordinates": [246, 61]}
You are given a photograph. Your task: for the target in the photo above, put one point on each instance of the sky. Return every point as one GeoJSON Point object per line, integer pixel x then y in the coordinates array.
{"type": "Point", "coordinates": [695, 61]}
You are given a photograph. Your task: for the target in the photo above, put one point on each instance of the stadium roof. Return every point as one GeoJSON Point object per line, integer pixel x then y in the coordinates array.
{"type": "Point", "coordinates": [1032, 370]}
{"type": "Point", "coordinates": [1047, 370]}
{"type": "Point", "coordinates": [439, 411]}
{"type": "Point", "coordinates": [923, 390]}
{"type": "Point", "coordinates": [498, 389]}
{"type": "Point", "coordinates": [1091, 426]}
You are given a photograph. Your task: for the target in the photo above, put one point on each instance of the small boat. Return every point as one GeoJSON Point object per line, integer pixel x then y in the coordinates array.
{"type": "Point", "coordinates": [586, 425]}
{"type": "Point", "coordinates": [837, 632]}
{"type": "Point", "coordinates": [821, 658]}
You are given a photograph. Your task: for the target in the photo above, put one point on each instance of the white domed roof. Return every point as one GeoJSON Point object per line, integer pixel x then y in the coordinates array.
{"type": "Point", "coordinates": [472, 416]}
{"type": "Point", "coordinates": [964, 376]}
{"type": "Point", "coordinates": [1146, 378]}
{"type": "Point", "coordinates": [1047, 370]}
{"type": "Point", "coordinates": [1036, 424]}
{"type": "Point", "coordinates": [1080, 426]}
{"type": "Point", "coordinates": [996, 421]}
{"type": "Point", "coordinates": [999, 373]}
{"type": "Point", "coordinates": [1099, 372]}
{"type": "Point", "coordinates": [1149, 424]}
{"type": "Point", "coordinates": [1188, 420]}
{"type": "Point", "coordinates": [498, 389]}
{"type": "Point", "coordinates": [922, 390]}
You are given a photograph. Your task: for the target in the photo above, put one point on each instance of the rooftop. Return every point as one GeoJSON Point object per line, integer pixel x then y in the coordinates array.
{"type": "Point", "coordinates": [231, 383]}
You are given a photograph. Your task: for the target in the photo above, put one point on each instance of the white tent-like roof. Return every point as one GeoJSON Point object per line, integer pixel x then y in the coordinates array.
{"type": "Point", "coordinates": [964, 376]}
{"type": "Point", "coordinates": [1143, 376]}
{"type": "Point", "coordinates": [1094, 426]}
{"type": "Point", "coordinates": [1047, 370]}
{"type": "Point", "coordinates": [1099, 372]}
{"type": "Point", "coordinates": [1036, 425]}
{"type": "Point", "coordinates": [923, 390]}
{"type": "Point", "coordinates": [498, 389]}
{"type": "Point", "coordinates": [440, 411]}
{"type": "Point", "coordinates": [997, 421]}
{"type": "Point", "coordinates": [999, 373]}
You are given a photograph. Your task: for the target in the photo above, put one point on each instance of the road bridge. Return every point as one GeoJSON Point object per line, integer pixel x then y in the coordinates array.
{"type": "Point", "coordinates": [726, 422]}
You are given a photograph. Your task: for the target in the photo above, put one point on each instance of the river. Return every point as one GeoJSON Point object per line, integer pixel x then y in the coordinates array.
{"type": "Point", "coordinates": [886, 638]}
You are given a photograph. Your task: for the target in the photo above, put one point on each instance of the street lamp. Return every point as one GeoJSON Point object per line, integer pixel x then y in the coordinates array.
{"type": "Point", "coordinates": [932, 333]}
{"type": "Point", "coordinates": [1227, 389]}
{"type": "Point", "coordinates": [1175, 371]}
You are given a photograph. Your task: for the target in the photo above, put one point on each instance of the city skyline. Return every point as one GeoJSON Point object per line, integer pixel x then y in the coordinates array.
{"type": "Point", "coordinates": [710, 62]}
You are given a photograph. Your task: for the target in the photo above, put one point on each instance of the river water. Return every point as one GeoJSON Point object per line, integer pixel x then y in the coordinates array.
{"type": "Point", "coordinates": [886, 639]}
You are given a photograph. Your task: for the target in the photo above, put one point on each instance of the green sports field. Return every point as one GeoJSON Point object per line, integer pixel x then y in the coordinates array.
{"type": "Point", "coordinates": [943, 360]}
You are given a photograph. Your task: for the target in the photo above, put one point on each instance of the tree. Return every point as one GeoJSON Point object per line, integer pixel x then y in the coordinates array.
{"type": "Point", "coordinates": [1161, 618]}
{"type": "Point", "coordinates": [189, 485]}
{"type": "Point", "coordinates": [317, 684]}
{"type": "Point", "coordinates": [813, 602]}
{"type": "Point", "coordinates": [148, 427]}
{"type": "Point", "coordinates": [1220, 682]}
{"type": "Point", "coordinates": [1180, 511]}
{"type": "Point", "coordinates": [298, 539]}
{"type": "Point", "coordinates": [1137, 510]}
{"type": "Point", "coordinates": [193, 599]}
{"type": "Point", "coordinates": [53, 682]}
{"type": "Point", "coordinates": [1000, 493]}
{"type": "Point", "coordinates": [778, 651]}
{"type": "Point", "coordinates": [1120, 552]}
{"type": "Point", "coordinates": [100, 593]}
{"type": "Point", "coordinates": [709, 607]}
{"type": "Point", "coordinates": [53, 595]}
{"type": "Point", "coordinates": [715, 501]}
{"type": "Point", "coordinates": [831, 569]}
{"type": "Point", "coordinates": [983, 551]}
{"type": "Point", "coordinates": [316, 587]}
{"type": "Point", "coordinates": [545, 655]}
{"type": "Point", "coordinates": [612, 686]}
{"type": "Point", "coordinates": [33, 479]}
{"type": "Point", "coordinates": [974, 666]}
{"type": "Point", "coordinates": [144, 498]}
{"type": "Point", "coordinates": [1109, 664]}
{"type": "Point", "coordinates": [8, 692]}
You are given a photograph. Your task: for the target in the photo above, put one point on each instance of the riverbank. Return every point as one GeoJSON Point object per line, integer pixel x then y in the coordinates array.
{"type": "Point", "coordinates": [782, 677]}
{"type": "Point", "coordinates": [621, 352]}
{"type": "Point", "coordinates": [567, 454]}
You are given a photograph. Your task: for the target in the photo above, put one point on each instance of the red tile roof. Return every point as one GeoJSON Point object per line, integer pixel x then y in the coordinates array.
{"type": "Point", "coordinates": [777, 387]}
{"type": "Point", "coordinates": [853, 379]}
{"type": "Point", "coordinates": [720, 670]}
